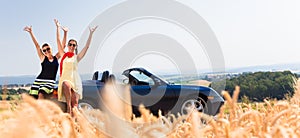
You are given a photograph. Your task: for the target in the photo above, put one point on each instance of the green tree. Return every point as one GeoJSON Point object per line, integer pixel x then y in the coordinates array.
{"type": "Point", "coordinates": [12, 92]}
{"type": "Point", "coordinates": [261, 85]}
{"type": "Point", "coordinates": [20, 91]}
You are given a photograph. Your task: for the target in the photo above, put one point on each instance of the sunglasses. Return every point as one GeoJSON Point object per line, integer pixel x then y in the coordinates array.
{"type": "Point", "coordinates": [72, 44]}
{"type": "Point", "coordinates": [47, 49]}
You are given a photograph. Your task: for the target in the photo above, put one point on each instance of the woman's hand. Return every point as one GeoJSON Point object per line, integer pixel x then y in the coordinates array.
{"type": "Point", "coordinates": [56, 23]}
{"type": "Point", "coordinates": [92, 30]}
{"type": "Point", "coordinates": [65, 29]}
{"type": "Point", "coordinates": [28, 29]}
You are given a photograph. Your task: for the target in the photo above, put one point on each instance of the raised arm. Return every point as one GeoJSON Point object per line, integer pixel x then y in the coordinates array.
{"type": "Point", "coordinates": [59, 45]}
{"type": "Point", "coordinates": [65, 29]}
{"type": "Point", "coordinates": [63, 43]}
{"type": "Point", "coordinates": [37, 46]}
{"type": "Point", "coordinates": [87, 45]}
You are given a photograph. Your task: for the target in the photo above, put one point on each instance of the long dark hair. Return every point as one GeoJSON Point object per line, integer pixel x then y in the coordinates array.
{"type": "Point", "coordinates": [76, 51]}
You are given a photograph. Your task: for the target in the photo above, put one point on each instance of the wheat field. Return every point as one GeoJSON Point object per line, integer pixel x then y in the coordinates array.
{"type": "Point", "coordinates": [42, 118]}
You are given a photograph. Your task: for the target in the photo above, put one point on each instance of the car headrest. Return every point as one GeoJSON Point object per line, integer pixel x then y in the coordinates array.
{"type": "Point", "coordinates": [105, 76]}
{"type": "Point", "coordinates": [112, 78]}
{"type": "Point", "coordinates": [95, 76]}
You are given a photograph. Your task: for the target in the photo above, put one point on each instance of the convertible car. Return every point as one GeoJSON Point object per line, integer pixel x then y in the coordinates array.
{"type": "Point", "coordinates": [154, 93]}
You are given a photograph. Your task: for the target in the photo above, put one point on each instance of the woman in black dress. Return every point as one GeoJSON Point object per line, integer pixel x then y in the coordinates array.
{"type": "Point", "coordinates": [45, 81]}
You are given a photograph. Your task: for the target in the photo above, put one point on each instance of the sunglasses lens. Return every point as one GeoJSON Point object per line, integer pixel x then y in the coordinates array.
{"type": "Point", "coordinates": [72, 45]}
{"type": "Point", "coordinates": [47, 49]}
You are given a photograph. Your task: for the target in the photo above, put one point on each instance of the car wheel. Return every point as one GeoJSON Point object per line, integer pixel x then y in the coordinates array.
{"type": "Point", "coordinates": [190, 104]}
{"type": "Point", "coordinates": [85, 105]}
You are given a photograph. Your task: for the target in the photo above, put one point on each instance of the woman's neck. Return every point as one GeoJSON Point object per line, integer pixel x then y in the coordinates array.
{"type": "Point", "coordinates": [71, 51]}
{"type": "Point", "coordinates": [50, 57]}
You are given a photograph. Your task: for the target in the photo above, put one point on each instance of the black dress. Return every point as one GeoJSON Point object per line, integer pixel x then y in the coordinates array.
{"type": "Point", "coordinates": [45, 81]}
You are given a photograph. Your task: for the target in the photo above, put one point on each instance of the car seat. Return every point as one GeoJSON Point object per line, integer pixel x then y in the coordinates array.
{"type": "Point", "coordinates": [105, 76]}
{"type": "Point", "coordinates": [112, 78]}
{"type": "Point", "coordinates": [95, 76]}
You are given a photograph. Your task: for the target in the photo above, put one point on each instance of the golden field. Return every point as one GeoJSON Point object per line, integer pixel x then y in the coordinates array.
{"type": "Point", "coordinates": [42, 118]}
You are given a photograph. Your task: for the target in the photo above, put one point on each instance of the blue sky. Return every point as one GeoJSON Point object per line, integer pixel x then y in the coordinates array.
{"type": "Point", "coordinates": [253, 32]}
{"type": "Point", "coordinates": [18, 55]}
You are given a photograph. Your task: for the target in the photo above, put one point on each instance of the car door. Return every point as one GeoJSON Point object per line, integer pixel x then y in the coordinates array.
{"type": "Point", "coordinates": [140, 88]}
{"type": "Point", "coordinates": [149, 92]}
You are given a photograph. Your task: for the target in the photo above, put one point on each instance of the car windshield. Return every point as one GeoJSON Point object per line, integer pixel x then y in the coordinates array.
{"type": "Point", "coordinates": [140, 76]}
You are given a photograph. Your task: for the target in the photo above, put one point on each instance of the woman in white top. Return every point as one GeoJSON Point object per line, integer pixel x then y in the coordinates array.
{"type": "Point", "coordinates": [70, 85]}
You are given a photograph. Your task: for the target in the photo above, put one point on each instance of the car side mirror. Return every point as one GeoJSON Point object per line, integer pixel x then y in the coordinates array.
{"type": "Point", "coordinates": [126, 81]}
{"type": "Point", "coordinates": [157, 82]}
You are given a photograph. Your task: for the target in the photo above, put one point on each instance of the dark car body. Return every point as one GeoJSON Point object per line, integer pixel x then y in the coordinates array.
{"type": "Point", "coordinates": [155, 93]}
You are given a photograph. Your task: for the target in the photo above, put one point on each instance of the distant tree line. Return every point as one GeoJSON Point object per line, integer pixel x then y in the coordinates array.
{"type": "Point", "coordinates": [261, 85]}
{"type": "Point", "coordinates": [13, 91]}
{"type": "Point", "coordinates": [16, 85]}
{"type": "Point", "coordinates": [11, 94]}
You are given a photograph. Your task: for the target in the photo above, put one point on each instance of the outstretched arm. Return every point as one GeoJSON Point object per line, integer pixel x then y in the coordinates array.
{"type": "Point", "coordinates": [63, 43]}
{"type": "Point", "coordinates": [37, 46]}
{"type": "Point", "coordinates": [59, 45]}
{"type": "Point", "coordinates": [65, 29]}
{"type": "Point", "coordinates": [87, 45]}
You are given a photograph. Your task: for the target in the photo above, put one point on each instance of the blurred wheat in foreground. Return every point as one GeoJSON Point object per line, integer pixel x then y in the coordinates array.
{"type": "Point", "coordinates": [42, 118]}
